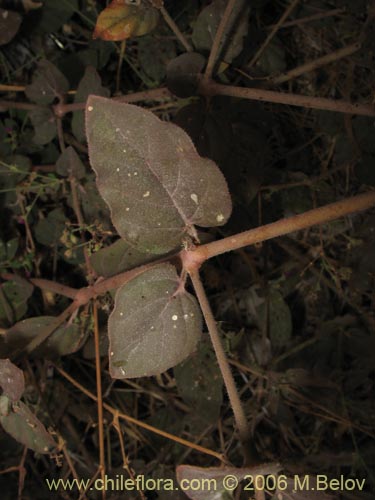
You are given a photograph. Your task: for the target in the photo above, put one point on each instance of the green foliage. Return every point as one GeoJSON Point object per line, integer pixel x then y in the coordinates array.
{"type": "Point", "coordinates": [155, 324]}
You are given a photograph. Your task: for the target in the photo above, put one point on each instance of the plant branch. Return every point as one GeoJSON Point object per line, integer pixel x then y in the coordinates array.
{"type": "Point", "coordinates": [139, 423]}
{"type": "Point", "coordinates": [239, 414]}
{"type": "Point", "coordinates": [275, 29]}
{"type": "Point", "coordinates": [307, 219]}
{"type": "Point", "coordinates": [316, 63]}
{"type": "Point", "coordinates": [176, 30]}
{"type": "Point", "coordinates": [212, 88]}
{"type": "Point", "coordinates": [218, 40]}
{"type": "Point", "coordinates": [307, 19]}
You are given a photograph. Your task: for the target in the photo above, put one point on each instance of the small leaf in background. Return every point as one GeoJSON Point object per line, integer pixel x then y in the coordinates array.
{"type": "Point", "coordinates": [90, 84]}
{"type": "Point", "coordinates": [9, 25]}
{"type": "Point", "coordinates": [151, 329]}
{"type": "Point", "coordinates": [65, 340]}
{"type": "Point", "coordinates": [8, 250]}
{"type": "Point", "coordinates": [13, 170]}
{"type": "Point", "coordinates": [193, 474]}
{"type": "Point", "coordinates": [53, 15]}
{"type": "Point", "coordinates": [43, 121]}
{"type": "Point", "coordinates": [48, 83]}
{"type": "Point", "coordinates": [183, 73]}
{"type": "Point", "coordinates": [156, 184]}
{"type": "Point", "coordinates": [273, 58]}
{"type": "Point", "coordinates": [280, 319]}
{"type": "Point", "coordinates": [12, 380]}
{"type": "Point", "coordinates": [48, 231]}
{"type": "Point", "coordinates": [200, 384]}
{"type": "Point", "coordinates": [154, 55]}
{"type": "Point", "coordinates": [26, 428]}
{"type": "Point", "coordinates": [116, 258]}
{"type": "Point", "coordinates": [206, 25]}
{"type": "Point", "coordinates": [70, 164]}
{"type": "Point", "coordinates": [119, 21]}
{"type": "Point", "coordinates": [13, 300]}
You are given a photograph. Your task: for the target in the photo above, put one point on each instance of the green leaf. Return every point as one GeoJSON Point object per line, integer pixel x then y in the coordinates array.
{"type": "Point", "coordinates": [70, 164]}
{"type": "Point", "coordinates": [116, 258]}
{"type": "Point", "coordinates": [66, 339]}
{"type": "Point", "coordinates": [13, 169]}
{"type": "Point", "coordinates": [26, 428]}
{"type": "Point", "coordinates": [44, 123]}
{"type": "Point", "coordinates": [90, 84]}
{"type": "Point", "coordinates": [184, 72]}
{"type": "Point", "coordinates": [154, 325]}
{"type": "Point", "coordinates": [49, 230]}
{"type": "Point", "coordinates": [200, 384]}
{"type": "Point", "coordinates": [9, 25]}
{"type": "Point", "coordinates": [12, 380]}
{"type": "Point", "coordinates": [205, 28]}
{"type": "Point", "coordinates": [54, 14]}
{"type": "Point", "coordinates": [13, 300]}
{"type": "Point", "coordinates": [151, 176]}
{"type": "Point", "coordinates": [154, 55]}
{"type": "Point", "coordinates": [48, 84]}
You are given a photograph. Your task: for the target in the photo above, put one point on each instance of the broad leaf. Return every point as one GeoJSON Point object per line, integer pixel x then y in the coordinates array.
{"type": "Point", "coordinates": [44, 124]}
{"type": "Point", "coordinates": [116, 258]}
{"type": "Point", "coordinates": [48, 231]}
{"type": "Point", "coordinates": [152, 178]}
{"type": "Point", "coordinates": [9, 25]}
{"type": "Point", "coordinates": [184, 72]}
{"type": "Point", "coordinates": [26, 428]}
{"type": "Point", "coordinates": [90, 84]}
{"type": "Point", "coordinates": [13, 300]}
{"type": "Point", "coordinates": [119, 21]}
{"type": "Point", "coordinates": [12, 380]}
{"type": "Point", "coordinates": [47, 85]}
{"type": "Point", "coordinates": [153, 326]}
{"type": "Point", "coordinates": [222, 488]}
{"type": "Point", "coordinates": [65, 340]}
{"type": "Point", "coordinates": [70, 164]}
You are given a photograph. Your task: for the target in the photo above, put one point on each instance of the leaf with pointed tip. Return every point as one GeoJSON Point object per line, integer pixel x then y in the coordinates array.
{"type": "Point", "coordinates": [44, 124]}
{"type": "Point", "coordinates": [152, 178]}
{"type": "Point", "coordinates": [117, 258]}
{"type": "Point", "coordinates": [90, 84]}
{"type": "Point", "coordinates": [119, 21]}
{"type": "Point", "coordinates": [217, 474]}
{"type": "Point", "coordinates": [13, 303]}
{"type": "Point", "coordinates": [9, 25]}
{"type": "Point", "coordinates": [65, 340]}
{"type": "Point", "coordinates": [47, 85]}
{"type": "Point", "coordinates": [70, 164]}
{"type": "Point", "coordinates": [26, 428]}
{"type": "Point", "coordinates": [154, 324]}
{"type": "Point", "coordinates": [12, 380]}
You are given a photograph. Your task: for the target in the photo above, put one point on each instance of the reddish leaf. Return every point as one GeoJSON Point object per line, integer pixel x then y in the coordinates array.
{"type": "Point", "coordinates": [120, 21]}
{"type": "Point", "coordinates": [152, 178]}
{"type": "Point", "coordinates": [152, 327]}
{"type": "Point", "coordinates": [11, 380]}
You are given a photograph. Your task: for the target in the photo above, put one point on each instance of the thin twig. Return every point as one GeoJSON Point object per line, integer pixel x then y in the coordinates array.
{"type": "Point", "coordinates": [307, 19]}
{"type": "Point", "coordinates": [239, 414]}
{"type": "Point", "coordinates": [139, 423]}
{"type": "Point", "coordinates": [99, 394]}
{"type": "Point", "coordinates": [218, 40]}
{"type": "Point", "coordinates": [265, 44]}
{"type": "Point", "coordinates": [316, 63]}
{"type": "Point", "coordinates": [176, 30]}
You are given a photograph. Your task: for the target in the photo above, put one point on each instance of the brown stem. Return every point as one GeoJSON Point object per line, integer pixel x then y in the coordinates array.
{"type": "Point", "coordinates": [307, 19]}
{"type": "Point", "coordinates": [218, 40]}
{"type": "Point", "coordinates": [176, 30]}
{"type": "Point", "coordinates": [239, 414]}
{"type": "Point", "coordinates": [317, 63]}
{"type": "Point", "coordinates": [273, 33]}
{"type": "Point", "coordinates": [212, 88]}
{"type": "Point", "coordinates": [27, 106]}
{"type": "Point", "coordinates": [284, 226]}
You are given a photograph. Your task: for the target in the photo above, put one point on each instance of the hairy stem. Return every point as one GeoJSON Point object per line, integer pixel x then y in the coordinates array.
{"type": "Point", "coordinates": [239, 414]}
{"type": "Point", "coordinates": [284, 226]}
